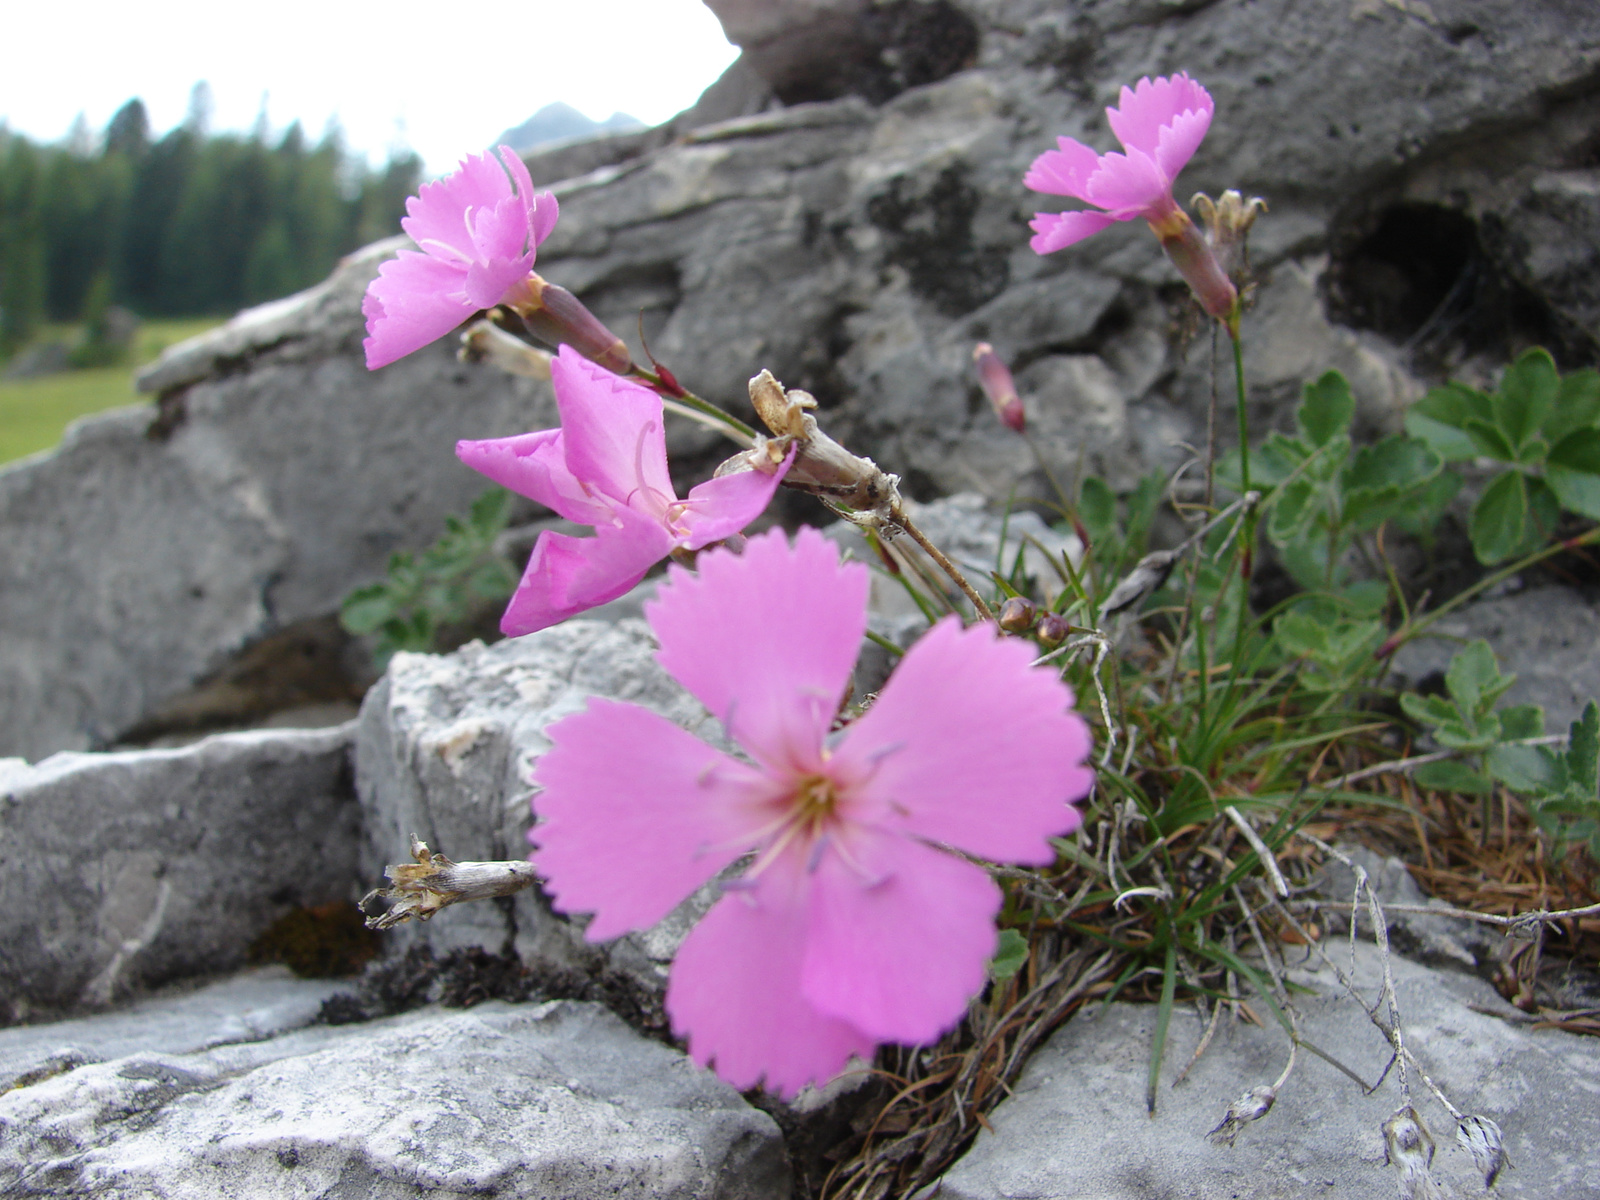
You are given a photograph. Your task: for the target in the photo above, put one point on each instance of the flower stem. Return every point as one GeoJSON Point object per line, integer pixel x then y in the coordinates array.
{"type": "Point", "coordinates": [735, 429]}
{"type": "Point", "coordinates": [898, 515]}
{"type": "Point", "coordinates": [1411, 630]}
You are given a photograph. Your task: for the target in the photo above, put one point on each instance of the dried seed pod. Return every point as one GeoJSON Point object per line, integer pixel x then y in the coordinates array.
{"type": "Point", "coordinates": [1252, 1106]}
{"type": "Point", "coordinates": [1018, 614]}
{"type": "Point", "coordinates": [433, 882]}
{"type": "Point", "coordinates": [1148, 574]}
{"type": "Point", "coordinates": [1486, 1144]}
{"type": "Point", "coordinates": [821, 466]}
{"type": "Point", "coordinates": [1228, 223]}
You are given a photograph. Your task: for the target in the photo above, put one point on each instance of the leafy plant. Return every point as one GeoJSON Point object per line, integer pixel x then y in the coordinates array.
{"type": "Point", "coordinates": [1323, 493]}
{"type": "Point", "coordinates": [1546, 430]}
{"type": "Point", "coordinates": [443, 585]}
{"type": "Point", "coordinates": [1466, 720]}
{"type": "Point", "coordinates": [1563, 786]}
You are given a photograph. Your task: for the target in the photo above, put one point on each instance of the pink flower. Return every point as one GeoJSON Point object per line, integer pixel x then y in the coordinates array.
{"type": "Point", "coordinates": [478, 231]}
{"type": "Point", "coordinates": [607, 467]}
{"type": "Point", "coordinates": [852, 924]}
{"type": "Point", "coordinates": [1160, 124]}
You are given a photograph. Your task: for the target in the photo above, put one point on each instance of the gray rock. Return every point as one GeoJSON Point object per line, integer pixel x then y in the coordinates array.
{"type": "Point", "coordinates": [249, 1007]}
{"type": "Point", "coordinates": [120, 872]}
{"type": "Point", "coordinates": [1548, 637]}
{"type": "Point", "coordinates": [445, 750]}
{"type": "Point", "coordinates": [1076, 1128]}
{"type": "Point", "coordinates": [555, 1100]}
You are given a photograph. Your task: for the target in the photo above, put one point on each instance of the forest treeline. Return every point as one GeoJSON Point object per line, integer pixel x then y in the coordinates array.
{"type": "Point", "coordinates": [189, 224]}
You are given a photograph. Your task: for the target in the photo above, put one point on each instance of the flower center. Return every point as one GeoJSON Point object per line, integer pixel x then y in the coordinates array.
{"type": "Point", "coordinates": [813, 805]}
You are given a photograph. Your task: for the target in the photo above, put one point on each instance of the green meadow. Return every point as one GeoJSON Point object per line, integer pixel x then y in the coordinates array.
{"type": "Point", "coordinates": [34, 413]}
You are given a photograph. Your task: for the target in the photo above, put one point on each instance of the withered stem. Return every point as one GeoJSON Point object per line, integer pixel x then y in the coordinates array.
{"type": "Point", "coordinates": [898, 515]}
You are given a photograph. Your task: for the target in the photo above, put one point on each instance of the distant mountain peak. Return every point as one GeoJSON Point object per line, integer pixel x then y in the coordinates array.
{"type": "Point", "coordinates": [560, 120]}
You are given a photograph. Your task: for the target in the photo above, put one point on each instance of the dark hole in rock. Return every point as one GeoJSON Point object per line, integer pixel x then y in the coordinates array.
{"type": "Point", "coordinates": [1429, 277]}
{"type": "Point", "coordinates": [877, 54]}
{"type": "Point", "coordinates": [326, 941]}
{"type": "Point", "coordinates": [1406, 268]}
{"type": "Point", "coordinates": [929, 234]}
{"type": "Point", "coordinates": [307, 674]}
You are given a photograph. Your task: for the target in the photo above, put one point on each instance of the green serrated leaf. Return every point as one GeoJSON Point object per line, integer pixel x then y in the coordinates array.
{"type": "Point", "coordinates": [1489, 440]}
{"type": "Point", "coordinates": [1573, 472]}
{"type": "Point", "coordinates": [1527, 770]}
{"type": "Point", "coordinates": [1365, 597]}
{"type": "Point", "coordinates": [1428, 710]}
{"type": "Point", "coordinates": [1521, 721]}
{"type": "Point", "coordinates": [1009, 957]}
{"type": "Point", "coordinates": [1499, 523]}
{"type": "Point", "coordinates": [1301, 636]}
{"type": "Point", "coordinates": [1293, 511]}
{"type": "Point", "coordinates": [1449, 442]}
{"type": "Point", "coordinates": [1452, 775]}
{"type": "Point", "coordinates": [1474, 680]}
{"type": "Point", "coordinates": [1278, 457]}
{"type": "Point", "coordinates": [1577, 406]}
{"type": "Point", "coordinates": [1422, 513]}
{"type": "Point", "coordinates": [1526, 397]}
{"type": "Point", "coordinates": [1583, 752]}
{"type": "Point", "coordinates": [1401, 463]}
{"type": "Point", "coordinates": [1326, 408]}
{"type": "Point", "coordinates": [366, 609]}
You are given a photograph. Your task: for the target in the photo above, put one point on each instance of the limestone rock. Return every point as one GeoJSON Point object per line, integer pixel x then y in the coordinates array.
{"type": "Point", "coordinates": [119, 872]}
{"type": "Point", "coordinates": [445, 750]}
{"type": "Point", "coordinates": [1076, 1125]}
{"type": "Point", "coordinates": [554, 1100]}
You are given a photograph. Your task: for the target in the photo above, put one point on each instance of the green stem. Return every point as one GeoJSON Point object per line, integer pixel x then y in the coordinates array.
{"type": "Point", "coordinates": [741, 433]}
{"type": "Point", "coordinates": [1244, 420]}
{"type": "Point", "coordinates": [1522, 564]}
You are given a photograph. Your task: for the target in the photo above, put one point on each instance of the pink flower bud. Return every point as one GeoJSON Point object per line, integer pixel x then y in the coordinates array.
{"type": "Point", "coordinates": [555, 315]}
{"type": "Point", "coordinates": [995, 379]}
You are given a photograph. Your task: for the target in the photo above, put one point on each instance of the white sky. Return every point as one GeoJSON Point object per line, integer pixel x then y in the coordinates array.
{"type": "Point", "coordinates": [443, 78]}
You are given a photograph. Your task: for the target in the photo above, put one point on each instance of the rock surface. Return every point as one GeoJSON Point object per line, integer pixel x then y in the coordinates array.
{"type": "Point", "coordinates": [1076, 1128]}
{"type": "Point", "coordinates": [559, 1100]}
{"type": "Point", "coordinates": [120, 872]}
{"type": "Point", "coordinates": [1548, 637]}
{"type": "Point", "coordinates": [445, 748]}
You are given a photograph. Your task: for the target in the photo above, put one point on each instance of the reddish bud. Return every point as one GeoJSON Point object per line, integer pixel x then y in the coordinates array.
{"type": "Point", "coordinates": [1017, 614]}
{"type": "Point", "coordinates": [556, 316]}
{"type": "Point", "coordinates": [669, 382]}
{"type": "Point", "coordinates": [995, 379]}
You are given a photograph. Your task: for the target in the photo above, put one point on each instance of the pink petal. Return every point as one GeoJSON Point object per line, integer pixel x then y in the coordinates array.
{"type": "Point", "coordinates": [898, 956]}
{"type": "Point", "coordinates": [1180, 139]}
{"type": "Point", "coordinates": [615, 436]}
{"type": "Point", "coordinates": [735, 992]}
{"type": "Point", "coordinates": [722, 507]}
{"type": "Point", "coordinates": [1128, 185]}
{"type": "Point", "coordinates": [542, 214]}
{"type": "Point", "coordinates": [503, 255]}
{"type": "Point", "coordinates": [522, 182]}
{"type": "Point", "coordinates": [567, 575]}
{"type": "Point", "coordinates": [1142, 111]}
{"type": "Point", "coordinates": [969, 745]}
{"type": "Point", "coordinates": [413, 301]}
{"type": "Point", "coordinates": [1063, 172]}
{"type": "Point", "coordinates": [635, 814]}
{"type": "Point", "coordinates": [1055, 231]}
{"type": "Point", "coordinates": [535, 465]}
{"type": "Point", "coordinates": [766, 640]}
{"type": "Point", "coordinates": [437, 213]}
